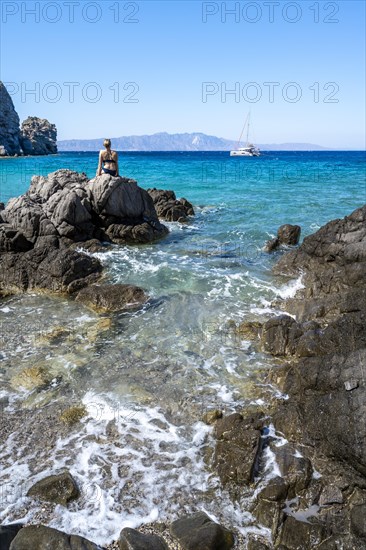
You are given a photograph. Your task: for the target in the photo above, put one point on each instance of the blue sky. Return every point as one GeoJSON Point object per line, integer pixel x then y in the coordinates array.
{"type": "Point", "coordinates": [151, 66]}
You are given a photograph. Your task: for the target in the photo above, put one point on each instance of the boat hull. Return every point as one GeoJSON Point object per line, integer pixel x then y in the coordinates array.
{"type": "Point", "coordinates": [243, 154]}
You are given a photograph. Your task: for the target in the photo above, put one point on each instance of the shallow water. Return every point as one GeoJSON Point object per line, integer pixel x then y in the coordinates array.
{"type": "Point", "coordinates": [147, 377]}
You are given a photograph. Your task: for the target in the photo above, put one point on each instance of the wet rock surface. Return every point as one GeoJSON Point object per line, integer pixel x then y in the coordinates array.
{"type": "Point", "coordinates": [112, 298]}
{"type": "Point", "coordinates": [59, 489]}
{"type": "Point", "coordinates": [39, 537]}
{"type": "Point", "coordinates": [199, 532]}
{"type": "Point", "coordinates": [315, 497]}
{"type": "Point", "coordinates": [324, 344]}
{"type": "Point", "coordinates": [39, 230]}
{"type": "Point", "coordinates": [168, 207]}
{"type": "Point", "coordinates": [237, 446]}
{"type": "Point", "coordinates": [131, 539]}
{"type": "Point", "coordinates": [288, 235]}
{"type": "Point", "coordinates": [8, 533]}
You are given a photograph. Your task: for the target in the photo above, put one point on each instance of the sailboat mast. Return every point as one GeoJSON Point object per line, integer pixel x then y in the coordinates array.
{"type": "Point", "coordinates": [246, 119]}
{"type": "Point", "coordinates": [248, 129]}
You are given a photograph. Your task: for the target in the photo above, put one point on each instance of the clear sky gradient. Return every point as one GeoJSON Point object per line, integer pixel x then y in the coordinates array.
{"type": "Point", "coordinates": [152, 66]}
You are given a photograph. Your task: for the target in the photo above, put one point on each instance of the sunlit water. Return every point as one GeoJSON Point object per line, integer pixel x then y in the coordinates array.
{"type": "Point", "coordinates": [146, 378]}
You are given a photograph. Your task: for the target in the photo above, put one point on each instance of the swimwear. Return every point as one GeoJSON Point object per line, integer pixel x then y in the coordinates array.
{"type": "Point", "coordinates": [110, 172]}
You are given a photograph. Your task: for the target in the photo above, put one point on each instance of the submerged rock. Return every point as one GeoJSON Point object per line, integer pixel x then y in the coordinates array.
{"type": "Point", "coordinates": [112, 298]}
{"type": "Point", "coordinates": [199, 532]}
{"type": "Point", "coordinates": [39, 537]}
{"type": "Point", "coordinates": [38, 136]}
{"type": "Point", "coordinates": [59, 489]}
{"type": "Point", "coordinates": [31, 378]}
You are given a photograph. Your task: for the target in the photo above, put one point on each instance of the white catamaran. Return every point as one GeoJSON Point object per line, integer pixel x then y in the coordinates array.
{"type": "Point", "coordinates": [249, 150]}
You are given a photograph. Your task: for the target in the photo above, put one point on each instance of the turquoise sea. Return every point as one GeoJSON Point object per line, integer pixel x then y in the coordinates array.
{"type": "Point", "coordinates": [154, 373]}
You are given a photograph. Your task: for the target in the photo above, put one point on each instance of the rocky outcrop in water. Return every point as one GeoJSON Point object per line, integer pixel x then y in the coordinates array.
{"type": "Point", "coordinates": [168, 207]}
{"type": "Point", "coordinates": [38, 137]}
{"type": "Point", "coordinates": [288, 235]}
{"type": "Point", "coordinates": [9, 125]}
{"type": "Point", "coordinates": [319, 500]}
{"type": "Point", "coordinates": [39, 230]}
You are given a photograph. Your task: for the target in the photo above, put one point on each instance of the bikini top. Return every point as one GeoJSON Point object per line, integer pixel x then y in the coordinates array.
{"type": "Point", "coordinates": [109, 160]}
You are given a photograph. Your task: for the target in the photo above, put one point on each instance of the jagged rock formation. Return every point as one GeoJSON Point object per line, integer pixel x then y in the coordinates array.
{"type": "Point", "coordinates": [38, 137]}
{"type": "Point", "coordinates": [317, 499]}
{"type": "Point", "coordinates": [331, 339]}
{"type": "Point", "coordinates": [168, 207]}
{"type": "Point", "coordinates": [9, 125]}
{"type": "Point", "coordinates": [39, 230]}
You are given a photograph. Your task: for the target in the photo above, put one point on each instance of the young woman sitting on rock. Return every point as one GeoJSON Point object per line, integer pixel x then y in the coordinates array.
{"type": "Point", "coordinates": [108, 160]}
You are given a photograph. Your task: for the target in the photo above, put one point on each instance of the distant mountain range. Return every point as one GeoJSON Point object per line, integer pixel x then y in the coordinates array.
{"type": "Point", "coordinates": [177, 142]}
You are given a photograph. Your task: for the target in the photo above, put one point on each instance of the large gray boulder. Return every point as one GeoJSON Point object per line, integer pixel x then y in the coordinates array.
{"type": "Point", "coordinates": [9, 125]}
{"type": "Point", "coordinates": [38, 136]}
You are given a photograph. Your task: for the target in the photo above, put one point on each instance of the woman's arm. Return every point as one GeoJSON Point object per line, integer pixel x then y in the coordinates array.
{"type": "Point", "coordinates": [99, 169]}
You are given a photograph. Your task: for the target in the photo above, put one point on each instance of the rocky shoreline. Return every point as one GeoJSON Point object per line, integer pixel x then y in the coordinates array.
{"type": "Point", "coordinates": [314, 436]}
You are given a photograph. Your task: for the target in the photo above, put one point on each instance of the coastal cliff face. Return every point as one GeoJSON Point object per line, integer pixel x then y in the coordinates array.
{"type": "Point", "coordinates": [9, 125]}
{"type": "Point", "coordinates": [36, 137]}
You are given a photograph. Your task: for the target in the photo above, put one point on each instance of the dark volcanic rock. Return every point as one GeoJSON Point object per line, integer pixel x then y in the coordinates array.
{"type": "Point", "coordinates": [57, 270]}
{"type": "Point", "coordinates": [168, 207]}
{"type": "Point", "coordinates": [334, 357]}
{"type": "Point", "coordinates": [289, 234]}
{"type": "Point", "coordinates": [286, 234]}
{"type": "Point", "coordinates": [298, 535]}
{"type": "Point", "coordinates": [8, 533]}
{"type": "Point", "coordinates": [325, 348]}
{"type": "Point", "coordinates": [111, 298]}
{"type": "Point", "coordinates": [237, 448]}
{"type": "Point", "coordinates": [38, 136]}
{"type": "Point", "coordinates": [39, 537]}
{"type": "Point", "coordinates": [130, 539]}
{"type": "Point", "coordinates": [9, 125]}
{"type": "Point", "coordinates": [358, 520]}
{"type": "Point", "coordinates": [59, 489]}
{"type": "Point", "coordinates": [199, 532]}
